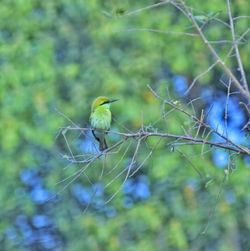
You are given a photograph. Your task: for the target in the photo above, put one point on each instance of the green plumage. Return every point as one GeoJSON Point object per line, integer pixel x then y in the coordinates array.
{"type": "Point", "coordinates": [100, 120]}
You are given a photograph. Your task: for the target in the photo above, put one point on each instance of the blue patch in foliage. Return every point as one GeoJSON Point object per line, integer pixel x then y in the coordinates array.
{"type": "Point", "coordinates": [180, 84]}
{"type": "Point", "coordinates": [227, 118]}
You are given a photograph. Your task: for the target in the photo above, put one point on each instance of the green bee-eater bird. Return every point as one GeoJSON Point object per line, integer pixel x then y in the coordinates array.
{"type": "Point", "coordinates": [100, 120]}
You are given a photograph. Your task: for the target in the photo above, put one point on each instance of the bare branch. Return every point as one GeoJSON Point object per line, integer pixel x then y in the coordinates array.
{"type": "Point", "coordinates": [243, 75]}
{"type": "Point", "coordinates": [200, 76]}
{"type": "Point", "coordinates": [134, 12]}
{"type": "Point", "coordinates": [160, 31]}
{"type": "Point", "coordinates": [242, 148]}
{"type": "Point", "coordinates": [141, 134]}
{"type": "Point", "coordinates": [186, 11]}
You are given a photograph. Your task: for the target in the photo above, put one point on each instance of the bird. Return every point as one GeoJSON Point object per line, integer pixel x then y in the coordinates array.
{"type": "Point", "coordinates": [100, 119]}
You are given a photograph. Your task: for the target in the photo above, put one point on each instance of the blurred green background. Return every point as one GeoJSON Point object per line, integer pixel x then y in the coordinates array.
{"type": "Point", "coordinates": [58, 56]}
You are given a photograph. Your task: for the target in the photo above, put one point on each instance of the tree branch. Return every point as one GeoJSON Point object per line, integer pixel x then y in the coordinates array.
{"type": "Point", "coordinates": [190, 16]}
{"type": "Point", "coordinates": [243, 75]}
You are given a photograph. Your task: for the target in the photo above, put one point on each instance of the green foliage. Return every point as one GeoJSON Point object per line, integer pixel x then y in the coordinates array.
{"type": "Point", "coordinates": [59, 55]}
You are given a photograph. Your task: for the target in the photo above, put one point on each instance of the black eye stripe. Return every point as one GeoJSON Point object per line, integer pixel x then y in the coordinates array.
{"type": "Point", "coordinates": [105, 102]}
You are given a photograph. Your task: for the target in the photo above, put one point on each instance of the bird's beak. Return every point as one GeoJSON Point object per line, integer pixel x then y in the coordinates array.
{"type": "Point", "coordinates": [113, 100]}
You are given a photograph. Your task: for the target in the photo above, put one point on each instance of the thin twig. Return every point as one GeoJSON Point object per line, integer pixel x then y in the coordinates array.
{"type": "Point", "coordinates": [238, 57]}
{"type": "Point", "coordinates": [128, 172]}
{"type": "Point", "coordinates": [134, 12]}
{"type": "Point", "coordinates": [200, 76]}
{"type": "Point", "coordinates": [160, 31]}
{"type": "Point", "coordinates": [185, 10]}
{"type": "Point", "coordinates": [235, 146]}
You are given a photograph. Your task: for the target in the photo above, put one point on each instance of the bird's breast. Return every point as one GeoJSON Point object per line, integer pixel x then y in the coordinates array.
{"type": "Point", "coordinates": [101, 118]}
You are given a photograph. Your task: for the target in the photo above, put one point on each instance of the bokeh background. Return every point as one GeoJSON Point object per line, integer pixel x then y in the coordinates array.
{"type": "Point", "coordinates": [55, 58]}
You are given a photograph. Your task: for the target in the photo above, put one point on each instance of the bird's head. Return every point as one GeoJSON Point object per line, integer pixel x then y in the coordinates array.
{"type": "Point", "coordinates": [102, 101]}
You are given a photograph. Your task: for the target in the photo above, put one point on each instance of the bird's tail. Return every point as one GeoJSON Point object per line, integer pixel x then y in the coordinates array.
{"type": "Point", "coordinates": [103, 144]}
{"type": "Point", "coordinates": [100, 137]}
